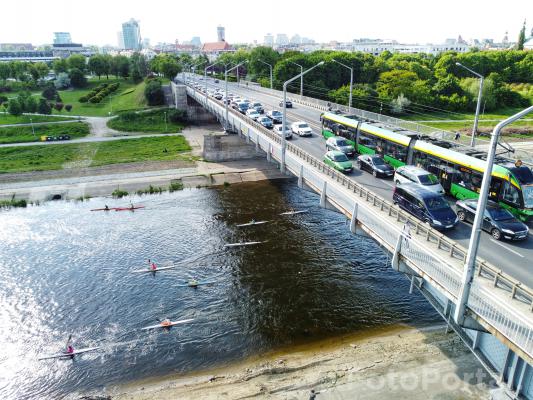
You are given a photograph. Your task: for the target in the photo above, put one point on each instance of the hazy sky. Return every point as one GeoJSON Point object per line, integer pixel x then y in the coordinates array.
{"type": "Point", "coordinates": [421, 21]}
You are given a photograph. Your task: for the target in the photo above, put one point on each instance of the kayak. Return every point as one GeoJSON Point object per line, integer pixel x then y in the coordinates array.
{"type": "Point", "coordinates": [68, 355]}
{"type": "Point", "coordinates": [252, 223]}
{"type": "Point", "coordinates": [153, 270]}
{"type": "Point", "coordinates": [294, 212]}
{"type": "Point", "coordinates": [172, 323]}
{"type": "Point", "coordinates": [103, 209]}
{"type": "Point", "coordinates": [128, 208]}
{"type": "Point", "coordinates": [196, 283]}
{"type": "Point", "coordinates": [241, 244]}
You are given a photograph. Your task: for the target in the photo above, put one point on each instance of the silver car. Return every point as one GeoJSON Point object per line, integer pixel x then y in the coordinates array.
{"type": "Point", "coordinates": [340, 144]}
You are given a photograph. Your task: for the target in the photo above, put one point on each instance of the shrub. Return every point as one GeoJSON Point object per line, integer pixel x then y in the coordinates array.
{"type": "Point", "coordinates": [59, 106]}
{"type": "Point", "coordinates": [174, 186]}
{"type": "Point", "coordinates": [95, 99]}
{"type": "Point", "coordinates": [3, 99]}
{"type": "Point", "coordinates": [14, 107]}
{"type": "Point", "coordinates": [153, 92]}
{"type": "Point", "coordinates": [128, 116]}
{"type": "Point", "coordinates": [83, 99]}
{"type": "Point", "coordinates": [44, 107]}
{"type": "Point", "coordinates": [117, 193]}
{"type": "Point", "coordinates": [68, 107]}
{"type": "Point", "coordinates": [176, 116]}
{"type": "Point", "coordinates": [77, 78]}
{"type": "Point", "coordinates": [50, 92]}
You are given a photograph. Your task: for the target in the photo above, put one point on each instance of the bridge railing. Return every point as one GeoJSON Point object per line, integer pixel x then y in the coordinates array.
{"type": "Point", "coordinates": [436, 256]}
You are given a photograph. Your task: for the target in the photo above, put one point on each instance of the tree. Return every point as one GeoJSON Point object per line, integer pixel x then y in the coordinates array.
{"type": "Point", "coordinates": [138, 67]}
{"type": "Point", "coordinates": [399, 104]}
{"type": "Point", "coordinates": [30, 104]}
{"type": "Point", "coordinates": [3, 99]}
{"type": "Point", "coordinates": [14, 107]}
{"type": "Point", "coordinates": [521, 37]}
{"type": "Point", "coordinates": [62, 81]}
{"type": "Point", "coordinates": [77, 78]}
{"type": "Point", "coordinates": [38, 70]}
{"type": "Point", "coordinates": [44, 107]}
{"type": "Point", "coordinates": [166, 65]}
{"type": "Point", "coordinates": [120, 66]}
{"type": "Point", "coordinates": [77, 61]}
{"type": "Point", "coordinates": [49, 92]}
{"type": "Point", "coordinates": [153, 92]}
{"type": "Point", "coordinates": [97, 65]}
{"type": "Point", "coordinates": [393, 83]}
{"type": "Point", "coordinates": [5, 71]}
{"type": "Point", "coordinates": [59, 66]}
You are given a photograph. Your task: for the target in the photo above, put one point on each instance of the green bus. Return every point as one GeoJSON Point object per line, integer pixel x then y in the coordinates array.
{"type": "Point", "coordinates": [459, 169]}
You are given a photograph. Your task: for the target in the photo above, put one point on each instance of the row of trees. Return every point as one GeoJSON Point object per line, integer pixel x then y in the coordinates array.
{"type": "Point", "coordinates": [394, 81]}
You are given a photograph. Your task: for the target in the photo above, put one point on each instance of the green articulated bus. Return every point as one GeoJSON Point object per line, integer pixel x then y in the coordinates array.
{"type": "Point", "coordinates": [459, 169]}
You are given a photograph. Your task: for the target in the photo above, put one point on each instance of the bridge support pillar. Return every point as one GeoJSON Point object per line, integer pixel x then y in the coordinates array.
{"type": "Point", "coordinates": [353, 221]}
{"type": "Point", "coordinates": [412, 286]}
{"type": "Point", "coordinates": [323, 195]}
{"type": "Point", "coordinates": [395, 262]}
{"type": "Point", "coordinates": [269, 153]}
{"type": "Point", "coordinates": [257, 143]}
{"type": "Point", "coordinates": [248, 137]}
{"type": "Point", "coordinates": [301, 177]}
{"type": "Point", "coordinates": [282, 165]}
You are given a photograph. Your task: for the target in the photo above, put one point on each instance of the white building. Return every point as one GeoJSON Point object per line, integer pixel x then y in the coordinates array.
{"type": "Point", "coordinates": [296, 39]}
{"type": "Point", "coordinates": [62, 38]}
{"type": "Point", "coordinates": [378, 46]}
{"type": "Point", "coordinates": [221, 33]}
{"type": "Point", "coordinates": [282, 39]}
{"type": "Point", "coordinates": [269, 40]}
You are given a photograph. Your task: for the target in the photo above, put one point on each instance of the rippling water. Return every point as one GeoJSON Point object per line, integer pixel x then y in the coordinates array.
{"type": "Point", "coordinates": [64, 269]}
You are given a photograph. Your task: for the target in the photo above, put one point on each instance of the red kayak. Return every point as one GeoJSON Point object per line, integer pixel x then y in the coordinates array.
{"type": "Point", "coordinates": [127, 208]}
{"type": "Point", "coordinates": [103, 209]}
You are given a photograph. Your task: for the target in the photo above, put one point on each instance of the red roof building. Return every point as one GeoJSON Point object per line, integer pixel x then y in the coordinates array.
{"type": "Point", "coordinates": [216, 47]}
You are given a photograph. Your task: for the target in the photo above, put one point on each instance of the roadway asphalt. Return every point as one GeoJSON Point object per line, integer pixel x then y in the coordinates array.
{"type": "Point", "coordinates": [514, 258]}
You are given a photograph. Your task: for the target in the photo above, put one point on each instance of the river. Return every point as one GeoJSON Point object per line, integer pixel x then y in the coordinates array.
{"type": "Point", "coordinates": [66, 270]}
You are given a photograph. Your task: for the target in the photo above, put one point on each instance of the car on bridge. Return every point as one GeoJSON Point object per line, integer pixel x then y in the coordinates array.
{"type": "Point", "coordinates": [301, 128]}
{"type": "Point", "coordinates": [340, 144]}
{"type": "Point", "coordinates": [426, 205]}
{"type": "Point", "coordinates": [266, 122]}
{"type": "Point", "coordinates": [242, 107]}
{"type": "Point", "coordinates": [338, 160]}
{"type": "Point", "coordinates": [500, 223]}
{"type": "Point", "coordinates": [252, 113]}
{"type": "Point", "coordinates": [411, 173]}
{"type": "Point", "coordinates": [375, 165]}
{"type": "Point", "coordinates": [288, 104]}
{"type": "Point", "coordinates": [279, 129]}
{"type": "Point", "coordinates": [258, 107]}
{"type": "Point", "coordinates": [275, 116]}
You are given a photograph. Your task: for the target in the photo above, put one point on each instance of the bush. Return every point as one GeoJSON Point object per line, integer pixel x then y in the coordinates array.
{"type": "Point", "coordinates": [128, 116]}
{"type": "Point", "coordinates": [176, 116]}
{"type": "Point", "coordinates": [50, 92]}
{"type": "Point", "coordinates": [77, 78]}
{"type": "Point", "coordinates": [44, 107]}
{"type": "Point", "coordinates": [68, 107]}
{"type": "Point", "coordinates": [83, 99]}
{"type": "Point", "coordinates": [14, 107]}
{"type": "Point", "coordinates": [153, 92]}
{"type": "Point", "coordinates": [3, 99]}
{"type": "Point", "coordinates": [59, 106]}
{"type": "Point", "coordinates": [117, 193]}
{"type": "Point", "coordinates": [95, 99]}
{"type": "Point", "coordinates": [174, 186]}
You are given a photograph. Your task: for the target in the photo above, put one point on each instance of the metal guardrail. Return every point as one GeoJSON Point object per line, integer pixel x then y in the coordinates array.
{"type": "Point", "coordinates": [503, 317]}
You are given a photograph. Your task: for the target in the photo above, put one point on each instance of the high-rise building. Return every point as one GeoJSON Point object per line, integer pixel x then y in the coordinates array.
{"type": "Point", "coordinates": [296, 39]}
{"type": "Point", "coordinates": [195, 41]}
{"type": "Point", "coordinates": [62, 38]}
{"type": "Point", "coordinates": [269, 40]}
{"type": "Point", "coordinates": [221, 33]}
{"type": "Point", "coordinates": [131, 33]}
{"type": "Point", "coordinates": [146, 43]}
{"type": "Point", "coordinates": [282, 39]}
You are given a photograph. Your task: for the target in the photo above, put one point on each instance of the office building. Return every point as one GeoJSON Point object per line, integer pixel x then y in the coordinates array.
{"type": "Point", "coordinates": [269, 40]}
{"type": "Point", "coordinates": [62, 38]}
{"type": "Point", "coordinates": [131, 33]}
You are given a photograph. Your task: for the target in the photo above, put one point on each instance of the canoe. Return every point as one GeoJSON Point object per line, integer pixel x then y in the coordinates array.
{"type": "Point", "coordinates": [252, 223]}
{"type": "Point", "coordinates": [152, 270]}
{"type": "Point", "coordinates": [128, 208]}
{"type": "Point", "coordinates": [172, 323]}
{"type": "Point", "coordinates": [68, 355]}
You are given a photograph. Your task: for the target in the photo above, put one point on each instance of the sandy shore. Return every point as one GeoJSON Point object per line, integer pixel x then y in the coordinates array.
{"type": "Point", "coordinates": [399, 363]}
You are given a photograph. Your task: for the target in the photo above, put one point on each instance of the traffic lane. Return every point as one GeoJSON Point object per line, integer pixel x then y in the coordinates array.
{"type": "Point", "coordinates": [513, 261]}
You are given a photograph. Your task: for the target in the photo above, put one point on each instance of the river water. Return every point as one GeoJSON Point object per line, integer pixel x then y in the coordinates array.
{"type": "Point", "coordinates": [66, 270]}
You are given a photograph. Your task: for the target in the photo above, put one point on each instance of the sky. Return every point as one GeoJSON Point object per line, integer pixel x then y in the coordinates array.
{"type": "Point", "coordinates": [408, 21]}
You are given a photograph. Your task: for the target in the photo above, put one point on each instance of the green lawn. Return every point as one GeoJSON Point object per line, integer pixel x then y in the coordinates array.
{"type": "Point", "coordinates": [8, 119]}
{"type": "Point", "coordinates": [20, 134]}
{"type": "Point", "coordinates": [146, 121]}
{"type": "Point", "coordinates": [123, 99]}
{"type": "Point", "coordinates": [54, 157]}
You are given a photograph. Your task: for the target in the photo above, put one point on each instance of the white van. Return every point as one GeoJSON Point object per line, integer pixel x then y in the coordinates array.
{"type": "Point", "coordinates": [410, 173]}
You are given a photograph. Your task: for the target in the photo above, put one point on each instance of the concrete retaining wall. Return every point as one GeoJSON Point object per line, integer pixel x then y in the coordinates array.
{"type": "Point", "coordinates": [219, 148]}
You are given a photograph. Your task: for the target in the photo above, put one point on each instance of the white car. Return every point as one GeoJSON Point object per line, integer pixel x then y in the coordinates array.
{"type": "Point", "coordinates": [252, 113]}
{"type": "Point", "coordinates": [410, 173]}
{"type": "Point", "coordinates": [301, 128]}
{"type": "Point", "coordinates": [279, 129]}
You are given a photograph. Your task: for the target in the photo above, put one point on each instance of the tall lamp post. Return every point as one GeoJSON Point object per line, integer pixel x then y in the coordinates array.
{"type": "Point", "coordinates": [470, 264]}
{"type": "Point", "coordinates": [301, 78]}
{"type": "Point", "coordinates": [474, 130]}
{"type": "Point", "coordinates": [270, 66]}
{"type": "Point", "coordinates": [226, 100]}
{"type": "Point", "coordinates": [284, 119]}
{"type": "Point", "coordinates": [351, 81]}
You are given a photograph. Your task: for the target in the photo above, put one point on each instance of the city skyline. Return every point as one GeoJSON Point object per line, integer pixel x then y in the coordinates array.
{"type": "Point", "coordinates": [325, 25]}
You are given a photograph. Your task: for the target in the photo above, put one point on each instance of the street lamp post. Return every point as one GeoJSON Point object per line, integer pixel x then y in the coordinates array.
{"type": "Point", "coordinates": [270, 66]}
{"type": "Point", "coordinates": [205, 77]}
{"type": "Point", "coordinates": [166, 127]}
{"type": "Point", "coordinates": [351, 82]}
{"type": "Point", "coordinates": [474, 129]}
{"type": "Point", "coordinates": [301, 78]}
{"type": "Point", "coordinates": [470, 264]}
{"type": "Point", "coordinates": [226, 100]}
{"type": "Point", "coordinates": [32, 129]}
{"type": "Point", "coordinates": [284, 119]}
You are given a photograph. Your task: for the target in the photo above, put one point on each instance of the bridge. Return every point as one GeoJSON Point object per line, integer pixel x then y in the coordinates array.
{"type": "Point", "coordinates": [498, 323]}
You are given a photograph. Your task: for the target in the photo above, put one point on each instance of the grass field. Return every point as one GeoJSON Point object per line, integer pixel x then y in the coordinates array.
{"type": "Point", "coordinates": [149, 121]}
{"type": "Point", "coordinates": [123, 99]}
{"type": "Point", "coordinates": [8, 119]}
{"type": "Point", "coordinates": [54, 157]}
{"type": "Point", "coordinates": [20, 134]}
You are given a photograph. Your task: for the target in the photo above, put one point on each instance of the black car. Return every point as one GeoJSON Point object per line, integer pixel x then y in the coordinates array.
{"type": "Point", "coordinates": [430, 207]}
{"type": "Point", "coordinates": [375, 165]}
{"type": "Point", "coordinates": [288, 104]}
{"type": "Point", "coordinates": [500, 223]}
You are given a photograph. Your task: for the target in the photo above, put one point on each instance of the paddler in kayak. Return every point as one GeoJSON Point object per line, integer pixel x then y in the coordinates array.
{"type": "Point", "coordinates": [132, 207]}
{"type": "Point", "coordinates": [193, 283]}
{"type": "Point", "coordinates": [152, 266]}
{"type": "Point", "coordinates": [166, 322]}
{"type": "Point", "coordinates": [106, 208]}
{"type": "Point", "coordinates": [69, 348]}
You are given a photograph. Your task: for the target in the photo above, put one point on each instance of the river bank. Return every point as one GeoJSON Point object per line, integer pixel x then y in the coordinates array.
{"type": "Point", "coordinates": [398, 362]}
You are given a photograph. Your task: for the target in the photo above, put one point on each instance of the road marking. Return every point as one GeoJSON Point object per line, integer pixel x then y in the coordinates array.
{"type": "Point", "coordinates": [507, 248]}
{"type": "Point", "coordinates": [387, 183]}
